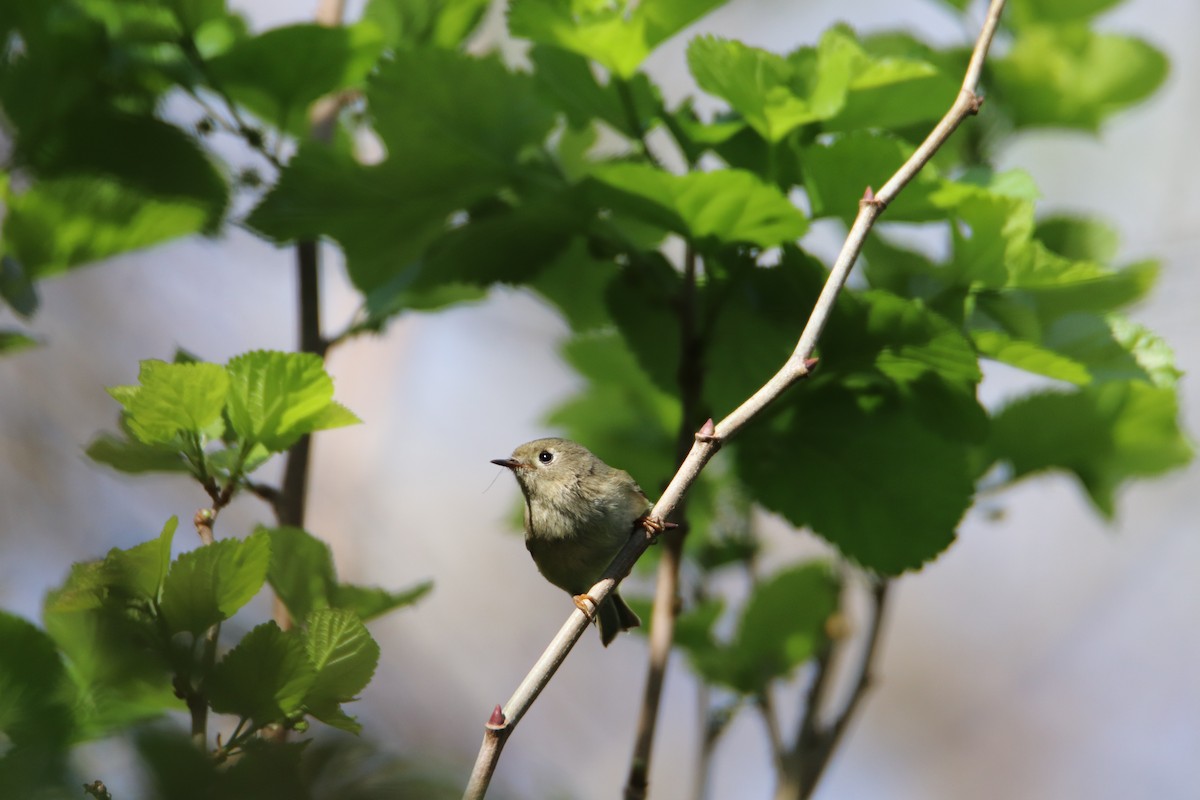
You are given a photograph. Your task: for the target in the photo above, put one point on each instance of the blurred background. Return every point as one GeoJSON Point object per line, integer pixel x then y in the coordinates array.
{"type": "Point", "coordinates": [1047, 655]}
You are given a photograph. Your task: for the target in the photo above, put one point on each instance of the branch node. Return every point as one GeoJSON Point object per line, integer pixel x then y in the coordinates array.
{"type": "Point", "coordinates": [204, 521]}
{"type": "Point", "coordinates": [869, 199]}
{"type": "Point", "coordinates": [810, 364]}
{"type": "Point", "coordinates": [497, 721]}
{"type": "Point", "coordinates": [974, 103]}
{"type": "Point", "coordinates": [708, 433]}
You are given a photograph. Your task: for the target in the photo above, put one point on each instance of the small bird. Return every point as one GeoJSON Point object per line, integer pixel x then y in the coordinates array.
{"type": "Point", "coordinates": [579, 512]}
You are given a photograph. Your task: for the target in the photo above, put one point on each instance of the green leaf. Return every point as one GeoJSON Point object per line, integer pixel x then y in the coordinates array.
{"type": "Point", "coordinates": [621, 415]}
{"type": "Point", "coordinates": [172, 398]}
{"type": "Point", "coordinates": [413, 23]}
{"type": "Point", "coordinates": [138, 153]}
{"type": "Point", "coordinates": [264, 74]}
{"type": "Point", "coordinates": [567, 79]}
{"type": "Point", "coordinates": [775, 95]}
{"type": "Point", "coordinates": [1106, 435]}
{"type": "Point", "coordinates": [369, 602]}
{"type": "Point", "coordinates": [32, 713]}
{"type": "Point", "coordinates": [1078, 238]}
{"type": "Point", "coordinates": [130, 455]}
{"type": "Point", "coordinates": [575, 283]}
{"type": "Point", "coordinates": [1025, 12]}
{"type": "Point", "coordinates": [275, 398]}
{"type": "Point", "coordinates": [140, 571]}
{"type": "Point", "coordinates": [509, 244]}
{"type": "Point", "coordinates": [209, 584]}
{"type": "Point", "coordinates": [344, 656]}
{"type": "Point", "coordinates": [15, 342]}
{"type": "Point", "coordinates": [863, 470]}
{"type": "Point", "coordinates": [837, 172]}
{"type": "Point", "coordinates": [301, 571]}
{"type": "Point", "coordinates": [62, 223]}
{"type": "Point", "coordinates": [264, 678]}
{"type": "Point", "coordinates": [448, 151]}
{"type": "Point", "coordinates": [782, 626]}
{"type": "Point", "coordinates": [18, 291]}
{"type": "Point", "coordinates": [720, 207]}
{"type": "Point", "coordinates": [1070, 76]}
{"type": "Point", "coordinates": [193, 14]}
{"type": "Point", "coordinates": [618, 35]}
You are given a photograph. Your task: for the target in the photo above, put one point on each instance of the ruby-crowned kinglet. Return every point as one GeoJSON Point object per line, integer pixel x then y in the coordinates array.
{"type": "Point", "coordinates": [579, 512]}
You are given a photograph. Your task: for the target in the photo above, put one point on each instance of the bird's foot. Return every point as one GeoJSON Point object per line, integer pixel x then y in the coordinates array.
{"type": "Point", "coordinates": [586, 604]}
{"type": "Point", "coordinates": [654, 525]}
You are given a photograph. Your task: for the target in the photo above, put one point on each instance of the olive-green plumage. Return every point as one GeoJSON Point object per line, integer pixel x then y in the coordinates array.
{"type": "Point", "coordinates": [579, 512]}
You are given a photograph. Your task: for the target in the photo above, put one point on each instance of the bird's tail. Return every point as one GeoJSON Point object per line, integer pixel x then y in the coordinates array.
{"type": "Point", "coordinates": [615, 616]}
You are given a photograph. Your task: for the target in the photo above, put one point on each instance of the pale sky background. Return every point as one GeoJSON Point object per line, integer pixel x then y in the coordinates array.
{"type": "Point", "coordinates": [1046, 655]}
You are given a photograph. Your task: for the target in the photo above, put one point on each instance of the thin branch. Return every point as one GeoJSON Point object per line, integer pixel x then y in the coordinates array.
{"type": "Point", "coordinates": [292, 500]}
{"type": "Point", "coordinates": [666, 591]}
{"type": "Point", "coordinates": [708, 440]}
{"type": "Point", "coordinates": [816, 743]}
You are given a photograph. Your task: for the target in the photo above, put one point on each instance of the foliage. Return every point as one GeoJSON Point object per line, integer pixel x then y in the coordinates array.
{"type": "Point", "coordinates": [545, 177]}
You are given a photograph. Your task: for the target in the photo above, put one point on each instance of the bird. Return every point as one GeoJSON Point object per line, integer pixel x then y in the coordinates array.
{"type": "Point", "coordinates": [579, 512]}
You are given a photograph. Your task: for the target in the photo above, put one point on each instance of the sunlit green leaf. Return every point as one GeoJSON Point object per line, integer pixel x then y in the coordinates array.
{"type": "Point", "coordinates": [344, 656]}
{"type": "Point", "coordinates": [174, 398]}
{"type": "Point", "coordinates": [618, 35]}
{"type": "Point", "coordinates": [275, 398]}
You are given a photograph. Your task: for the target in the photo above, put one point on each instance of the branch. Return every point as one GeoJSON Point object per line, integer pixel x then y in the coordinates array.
{"type": "Point", "coordinates": [666, 591]}
{"type": "Point", "coordinates": [291, 503]}
{"type": "Point", "coordinates": [708, 440]}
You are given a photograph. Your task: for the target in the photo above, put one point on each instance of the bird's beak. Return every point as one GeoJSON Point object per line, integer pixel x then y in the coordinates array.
{"type": "Point", "coordinates": [511, 463]}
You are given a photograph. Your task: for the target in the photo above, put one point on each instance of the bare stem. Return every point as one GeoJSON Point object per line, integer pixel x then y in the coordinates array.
{"type": "Point", "coordinates": [666, 592]}
{"type": "Point", "coordinates": [708, 440]}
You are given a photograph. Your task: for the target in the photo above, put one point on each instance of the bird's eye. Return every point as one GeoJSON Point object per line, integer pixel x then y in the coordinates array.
{"type": "Point", "coordinates": [545, 456]}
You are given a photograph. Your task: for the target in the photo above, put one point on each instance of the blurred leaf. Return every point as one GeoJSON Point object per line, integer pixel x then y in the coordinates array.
{"type": "Point", "coordinates": [15, 342]}
{"type": "Point", "coordinates": [264, 678]}
{"type": "Point", "coordinates": [18, 291]}
{"type": "Point", "coordinates": [1072, 77]}
{"type": "Point", "coordinates": [301, 571]}
{"type": "Point", "coordinates": [721, 207]}
{"type": "Point", "coordinates": [173, 398]}
{"type": "Point", "coordinates": [194, 13]}
{"type": "Point", "coordinates": [264, 74]}
{"type": "Point", "coordinates": [782, 626]}
{"type": "Point", "coordinates": [275, 398]}
{"type": "Point", "coordinates": [447, 152]}
{"type": "Point", "coordinates": [369, 602]}
{"type": "Point", "coordinates": [140, 571]}
{"type": "Point", "coordinates": [576, 283]}
{"type": "Point", "coordinates": [617, 35]}
{"type": "Point", "coordinates": [621, 415]}
{"type": "Point", "coordinates": [142, 155]}
{"type": "Point", "coordinates": [344, 656]}
{"type": "Point", "coordinates": [32, 713]}
{"type": "Point", "coordinates": [62, 223]}
{"type": "Point", "coordinates": [1105, 434]}
{"type": "Point", "coordinates": [440, 23]}
{"type": "Point", "coordinates": [130, 455]}
{"type": "Point", "coordinates": [837, 173]}
{"type": "Point", "coordinates": [208, 584]}
{"type": "Point", "coordinates": [1078, 238]}
{"type": "Point", "coordinates": [567, 79]}
{"type": "Point", "coordinates": [1026, 12]}
{"type": "Point", "coordinates": [773, 94]}
{"type": "Point", "coordinates": [509, 245]}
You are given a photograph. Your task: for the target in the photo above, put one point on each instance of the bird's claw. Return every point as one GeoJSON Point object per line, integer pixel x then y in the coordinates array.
{"type": "Point", "coordinates": [655, 525]}
{"type": "Point", "coordinates": [586, 604]}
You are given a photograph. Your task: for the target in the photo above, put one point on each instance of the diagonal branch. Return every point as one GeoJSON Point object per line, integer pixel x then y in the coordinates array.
{"type": "Point", "coordinates": [708, 440]}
